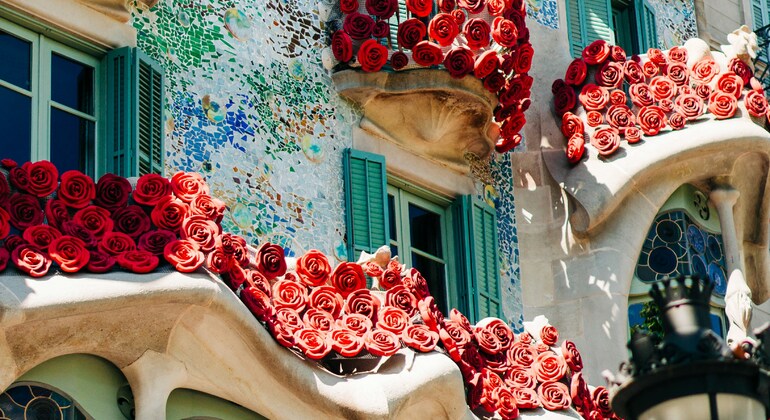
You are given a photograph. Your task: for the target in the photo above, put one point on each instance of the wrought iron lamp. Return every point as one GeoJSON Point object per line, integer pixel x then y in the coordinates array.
{"type": "Point", "coordinates": [691, 373]}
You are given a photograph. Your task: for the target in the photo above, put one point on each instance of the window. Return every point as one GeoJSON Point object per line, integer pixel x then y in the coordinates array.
{"type": "Point", "coordinates": [80, 111]}
{"type": "Point", "coordinates": [453, 242]}
{"type": "Point", "coordinates": [760, 16]}
{"type": "Point", "coordinates": [684, 239]}
{"type": "Point", "coordinates": [38, 402]}
{"type": "Point", "coordinates": [628, 23]}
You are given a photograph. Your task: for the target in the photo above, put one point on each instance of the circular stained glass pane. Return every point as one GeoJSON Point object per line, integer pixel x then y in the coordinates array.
{"type": "Point", "coordinates": [699, 266]}
{"type": "Point", "coordinates": [42, 408]}
{"type": "Point", "coordinates": [645, 274]}
{"type": "Point", "coordinates": [717, 275]}
{"type": "Point", "coordinates": [714, 249]}
{"type": "Point", "coordinates": [668, 231]}
{"type": "Point", "coordinates": [695, 238]}
{"type": "Point", "coordinates": [662, 260]}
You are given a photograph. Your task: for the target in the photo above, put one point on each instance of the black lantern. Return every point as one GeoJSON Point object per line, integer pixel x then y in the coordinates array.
{"type": "Point", "coordinates": [691, 373]}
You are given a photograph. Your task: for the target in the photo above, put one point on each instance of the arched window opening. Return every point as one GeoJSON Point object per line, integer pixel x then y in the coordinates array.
{"type": "Point", "coordinates": [36, 401]}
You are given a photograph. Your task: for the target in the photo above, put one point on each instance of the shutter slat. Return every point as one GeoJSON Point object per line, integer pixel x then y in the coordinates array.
{"type": "Point", "coordinates": [365, 202]}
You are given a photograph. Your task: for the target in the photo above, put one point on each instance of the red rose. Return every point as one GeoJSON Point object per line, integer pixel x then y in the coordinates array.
{"type": "Point", "coordinates": [564, 98]}
{"type": "Point", "coordinates": [75, 229]}
{"type": "Point", "coordinates": [593, 97]}
{"type": "Point", "coordinates": [730, 83]}
{"type": "Point", "coordinates": [383, 9]}
{"type": "Point", "coordinates": [632, 135]}
{"type": "Point", "coordinates": [254, 278]}
{"type": "Point", "coordinates": [633, 72]}
{"type": "Point", "coordinates": [594, 118]}
{"type": "Point", "coordinates": [459, 61]}
{"type": "Point", "coordinates": [678, 73]}
{"type": "Point", "coordinates": [575, 148]}
{"type": "Point", "coordinates": [346, 342]}
{"type": "Point", "coordinates": [581, 396]}
{"type": "Point", "coordinates": [459, 336]}
{"type": "Point", "coordinates": [610, 75]}
{"type": "Point", "coordinates": [443, 29]}
{"type": "Point", "coordinates": [617, 53]}
{"type": "Point", "coordinates": [258, 303]}
{"type": "Point", "coordinates": [667, 105]}
{"type": "Point", "coordinates": [459, 16]}
{"type": "Point", "coordinates": [641, 95]}
{"type": "Point", "coordinates": [399, 297]}
{"type": "Point", "coordinates": [357, 323]}
{"type": "Point", "coordinates": [572, 356]}
{"type": "Point", "coordinates": [691, 106]}
{"type": "Point", "coordinates": [289, 318]}
{"type": "Point", "coordinates": [8, 163]}
{"type": "Point", "coordinates": [218, 262]}
{"type": "Point", "coordinates": [150, 189]}
{"type": "Point", "coordinates": [740, 68]}
{"type": "Point", "coordinates": [571, 124]}
{"type": "Point", "coordinates": [24, 211]}
{"type": "Point", "coordinates": [520, 377]}
{"type": "Point", "coordinates": [476, 33]}
{"type": "Point", "coordinates": [155, 241]}
{"type": "Point", "coordinates": [362, 302]}
{"type": "Point", "coordinates": [5, 225]}
{"type": "Point", "coordinates": [662, 88]}
{"type": "Point", "coordinates": [184, 255]}
{"type": "Point", "coordinates": [521, 355]}
{"type": "Point", "coordinates": [234, 277]}
{"type": "Point", "coordinates": [200, 230]}
{"type": "Point", "coordinates": [43, 178]}
{"type": "Point", "coordinates": [704, 70]}
{"type": "Point", "coordinates": [596, 52]}
{"type": "Point", "coordinates": [95, 219]}
{"type": "Point", "coordinates": [497, 7]}
{"type": "Point", "coordinates": [347, 278]}
{"type": "Point", "coordinates": [756, 103]}
{"type": "Point", "coordinates": [372, 55]}
{"type": "Point", "coordinates": [39, 236]}
{"type": "Point", "coordinates": [656, 56]}
{"type": "Point", "coordinates": [313, 268]}
{"type": "Point", "coordinates": [235, 246]}
{"type": "Point", "coordinates": [312, 343]}
{"type": "Point", "coordinates": [76, 189]}
{"type": "Point", "coordinates": [11, 242]}
{"type": "Point", "coordinates": [504, 32]}
{"type": "Point", "coordinates": [488, 341]}
{"type": "Point", "coordinates": [138, 261]}
{"type": "Point", "coordinates": [169, 213]}
{"type": "Point", "coordinates": [651, 119]}
{"type": "Point", "coordinates": [526, 398]}
{"type": "Point", "coordinates": [381, 29]}
{"type": "Point", "coordinates": [685, 90]}
{"type": "Point", "coordinates": [19, 178]}
{"type": "Point", "coordinates": [524, 55]}
{"type": "Point", "coordinates": [381, 343]}
{"type": "Point", "coordinates": [601, 400]}
{"type": "Point", "coordinates": [446, 6]}
{"type": "Point", "coordinates": [702, 90]}
{"type": "Point", "coordinates": [486, 63]}
{"type": "Point", "coordinates": [132, 221]}
{"type": "Point", "coordinates": [554, 396]}
{"type": "Point", "coordinates": [392, 319]}
{"type": "Point", "coordinates": [115, 243]}
{"type": "Point", "coordinates": [505, 403]}
{"type": "Point", "coordinates": [620, 117]}
{"type": "Point", "coordinates": [342, 46]}
{"type": "Point", "coordinates": [31, 260]}
{"type": "Point", "coordinates": [722, 105]}
{"type": "Point", "coordinates": [677, 54]}
{"type": "Point", "coordinates": [358, 26]}
{"type": "Point", "coordinates": [472, 6]}
{"type": "Point", "coordinates": [410, 33]}
{"type": "Point", "coordinates": [650, 69]}
{"type": "Point", "coordinates": [576, 72]}
{"type": "Point", "coordinates": [677, 121]}
{"type": "Point", "coordinates": [318, 320]}
{"type": "Point", "coordinates": [271, 260]}
{"type": "Point", "coordinates": [419, 337]}
{"type": "Point", "coordinates": [4, 257]}
{"type": "Point", "coordinates": [500, 329]}
{"type": "Point", "coordinates": [112, 192]}
{"type": "Point", "coordinates": [606, 140]}
{"type": "Point", "coordinates": [70, 253]}
{"type": "Point", "coordinates": [290, 294]}
{"type": "Point", "coordinates": [206, 205]}
{"type": "Point", "coordinates": [399, 60]}
{"type": "Point", "coordinates": [420, 8]}
{"type": "Point", "coordinates": [416, 283]}
{"type": "Point", "coordinates": [348, 6]}
{"type": "Point", "coordinates": [327, 299]}
{"type": "Point", "coordinates": [5, 190]}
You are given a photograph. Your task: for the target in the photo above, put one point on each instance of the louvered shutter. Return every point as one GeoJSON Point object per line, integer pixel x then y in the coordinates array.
{"type": "Point", "coordinates": [477, 229]}
{"type": "Point", "coordinates": [760, 16]}
{"type": "Point", "coordinates": [134, 144]}
{"type": "Point", "coordinates": [366, 199]}
{"type": "Point", "coordinates": [588, 20]}
{"type": "Point", "coordinates": [400, 16]}
{"type": "Point", "coordinates": [648, 28]}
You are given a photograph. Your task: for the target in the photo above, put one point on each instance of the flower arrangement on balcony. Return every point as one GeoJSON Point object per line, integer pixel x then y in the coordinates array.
{"type": "Point", "coordinates": [487, 39]}
{"type": "Point", "coordinates": [638, 98]}
{"type": "Point", "coordinates": [69, 223]}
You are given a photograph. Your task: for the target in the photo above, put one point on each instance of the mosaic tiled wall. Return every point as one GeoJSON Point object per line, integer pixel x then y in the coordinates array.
{"type": "Point", "coordinates": [250, 106]}
{"type": "Point", "coordinates": [544, 12]}
{"type": "Point", "coordinates": [674, 21]}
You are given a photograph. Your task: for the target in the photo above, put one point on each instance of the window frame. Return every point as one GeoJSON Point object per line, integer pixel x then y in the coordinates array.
{"type": "Point", "coordinates": [42, 47]}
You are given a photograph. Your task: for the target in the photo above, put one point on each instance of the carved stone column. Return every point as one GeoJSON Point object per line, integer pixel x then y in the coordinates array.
{"type": "Point", "coordinates": [738, 303]}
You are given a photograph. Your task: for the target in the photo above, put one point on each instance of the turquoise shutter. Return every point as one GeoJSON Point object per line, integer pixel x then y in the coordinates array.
{"type": "Point", "coordinates": [760, 17]}
{"type": "Point", "coordinates": [588, 20]}
{"type": "Point", "coordinates": [400, 16]}
{"type": "Point", "coordinates": [134, 144]}
{"type": "Point", "coordinates": [366, 202]}
{"type": "Point", "coordinates": [645, 16]}
{"type": "Point", "coordinates": [477, 228]}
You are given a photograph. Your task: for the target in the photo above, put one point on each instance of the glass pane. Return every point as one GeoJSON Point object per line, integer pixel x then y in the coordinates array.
{"type": "Point", "coordinates": [425, 230]}
{"type": "Point", "coordinates": [17, 61]}
{"type": "Point", "coordinates": [434, 273]}
{"type": "Point", "coordinates": [16, 120]}
{"type": "Point", "coordinates": [392, 217]}
{"type": "Point", "coordinates": [71, 139]}
{"type": "Point", "coordinates": [72, 84]}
